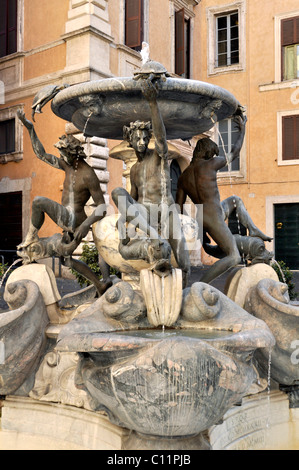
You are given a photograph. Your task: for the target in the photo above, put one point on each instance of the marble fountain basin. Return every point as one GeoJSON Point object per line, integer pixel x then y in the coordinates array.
{"type": "Point", "coordinates": [172, 382]}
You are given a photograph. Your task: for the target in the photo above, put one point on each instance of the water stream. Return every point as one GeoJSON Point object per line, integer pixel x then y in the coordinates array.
{"type": "Point", "coordinates": [269, 383]}
{"type": "Point", "coordinates": [163, 303]}
{"type": "Point", "coordinates": [268, 406]}
{"type": "Point", "coordinates": [280, 270]}
{"type": "Point", "coordinates": [19, 260]}
{"type": "Point", "coordinates": [86, 124]}
{"type": "Point", "coordinates": [164, 201]}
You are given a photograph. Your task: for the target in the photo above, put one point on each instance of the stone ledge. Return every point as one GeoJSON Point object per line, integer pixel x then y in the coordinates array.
{"type": "Point", "coordinates": [11, 157]}
{"type": "Point", "coordinates": [31, 425]}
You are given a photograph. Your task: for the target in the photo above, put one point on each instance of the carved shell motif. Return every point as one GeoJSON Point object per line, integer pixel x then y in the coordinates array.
{"type": "Point", "coordinates": [162, 295]}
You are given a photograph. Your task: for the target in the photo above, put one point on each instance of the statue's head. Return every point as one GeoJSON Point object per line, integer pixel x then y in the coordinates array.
{"type": "Point", "coordinates": [70, 148]}
{"type": "Point", "coordinates": [138, 134]}
{"type": "Point", "coordinates": [205, 149]}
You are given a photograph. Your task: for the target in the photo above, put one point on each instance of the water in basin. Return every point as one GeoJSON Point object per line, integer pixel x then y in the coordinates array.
{"type": "Point", "coordinates": [163, 334]}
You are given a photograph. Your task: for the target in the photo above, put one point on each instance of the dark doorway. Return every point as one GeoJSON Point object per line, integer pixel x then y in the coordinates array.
{"type": "Point", "coordinates": [11, 225]}
{"type": "Point", "coordinates": [287, 234]}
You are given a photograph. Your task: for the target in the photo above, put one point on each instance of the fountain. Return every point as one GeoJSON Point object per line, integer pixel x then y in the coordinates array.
{"type": "Point", "coordinates": [269, 300]}
{"type": "Point", "coordinates": [163, 360]}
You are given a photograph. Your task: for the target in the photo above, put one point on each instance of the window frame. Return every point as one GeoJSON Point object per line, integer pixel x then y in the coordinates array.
{"type": "Point", "coordinates": [7, 114]}
{"type": "Point", "coordinates": [232, 175]}
{"type": "Point", "coordinates": [278, 50]}
{"type": "Point", "coordinates": [280, 116]}
{"type": "Point", "coordinates": [212, 14]}
{"type": "Point", "coordinates": [289, 44]}
{"type": "Point", "coordinates": [189, 15]}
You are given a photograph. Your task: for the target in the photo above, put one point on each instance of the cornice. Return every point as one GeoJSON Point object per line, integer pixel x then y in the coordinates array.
{"type": "Point", "coordinates": [85, 30]}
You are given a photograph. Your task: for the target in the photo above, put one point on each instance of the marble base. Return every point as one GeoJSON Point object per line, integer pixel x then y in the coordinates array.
{"type": "Point", "coordinates": [263, 422]}
{"type": "Point", "coordinates": [136, 441]}
{"type": "Point", "coordinates": [28, 424]}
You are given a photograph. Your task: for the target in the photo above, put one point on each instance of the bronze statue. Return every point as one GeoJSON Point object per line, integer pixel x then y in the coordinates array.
{"type": "Point", "coordinates": [80, 184]}
{"type": "Point", "coordinates": [235, 204]}
{"type": "Point", "coordinates": [252, 249]}
{"type": "Point", "coordinates": [199, 182]}
{"type": "Point", "coordinates": [150, 185]}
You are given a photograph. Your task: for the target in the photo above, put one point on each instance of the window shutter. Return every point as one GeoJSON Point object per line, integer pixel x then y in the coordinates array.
{"type": "Point", "coordinates": [180, 42]}
{"type": "Point", "coordinates": [290, 31]}
{"type": "Point", "coordinates": [12, 26]}
{"type": "Point", "coordinates": [290, 138]}
{"type": "Point", "coordinates": [8, 27]}
{"type": "Point", "coordinates": [3, 34]}
{"type": "Point", "coordinates": [134, 33]}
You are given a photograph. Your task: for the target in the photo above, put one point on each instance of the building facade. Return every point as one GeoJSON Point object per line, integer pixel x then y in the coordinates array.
{"type": "Point", "coordinates": [247, 47]}
{"type": "Point", "coordinates": [252, 49]}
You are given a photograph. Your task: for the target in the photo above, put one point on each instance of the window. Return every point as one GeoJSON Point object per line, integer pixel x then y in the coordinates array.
{"type": "Point", "coordinates": [227, 40]}
{"type": "Point", "coordinates": [134, 23]}
{"type": "Point", "coordinates": [182, 44]}
{"type": "Point", "coordinates": [7, 136]}
{"type": "Point", "coordinates": [290, 48]}
{"type": "Point", "coordinates": [290, 137]}
{"type": "Point", "coordinates": [11, 135]}
{"type": "Point", "coordinates": [8, 27]}
{"type": "Point", "coordinates": [229, 135]}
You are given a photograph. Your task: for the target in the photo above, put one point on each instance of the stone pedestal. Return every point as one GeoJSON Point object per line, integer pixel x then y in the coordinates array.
{"type": "Point", "coordinates": [263, 422]}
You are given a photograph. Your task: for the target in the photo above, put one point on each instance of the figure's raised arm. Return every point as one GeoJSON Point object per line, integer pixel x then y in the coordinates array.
{"type": "Point", "coordinates": [150, 92]}
{"type": "Point", "coordinates": [240, 121]}
{"type": "Point", "coordinates": [37, 146]}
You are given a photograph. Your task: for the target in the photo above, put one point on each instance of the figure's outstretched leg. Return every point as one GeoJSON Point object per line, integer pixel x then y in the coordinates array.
{"type": "Point", "coordinates": [85, 271]}
{"type": "Point", "coordinates": [132, 212]}
{"type": "Point", "coordinates": [235, 203]}
{"type": "Point", "coordinates": [227, 243]}
{"type": "Point", "coordinates": [104, 267]}
{"type": "Point", "coordinates": [62, 216]}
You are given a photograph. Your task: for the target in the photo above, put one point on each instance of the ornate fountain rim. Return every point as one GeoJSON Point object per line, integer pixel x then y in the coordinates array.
{"type": "Point", "coordinates": [117, 340]}
{"type": "Point", "coordinates": [188, 107]}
